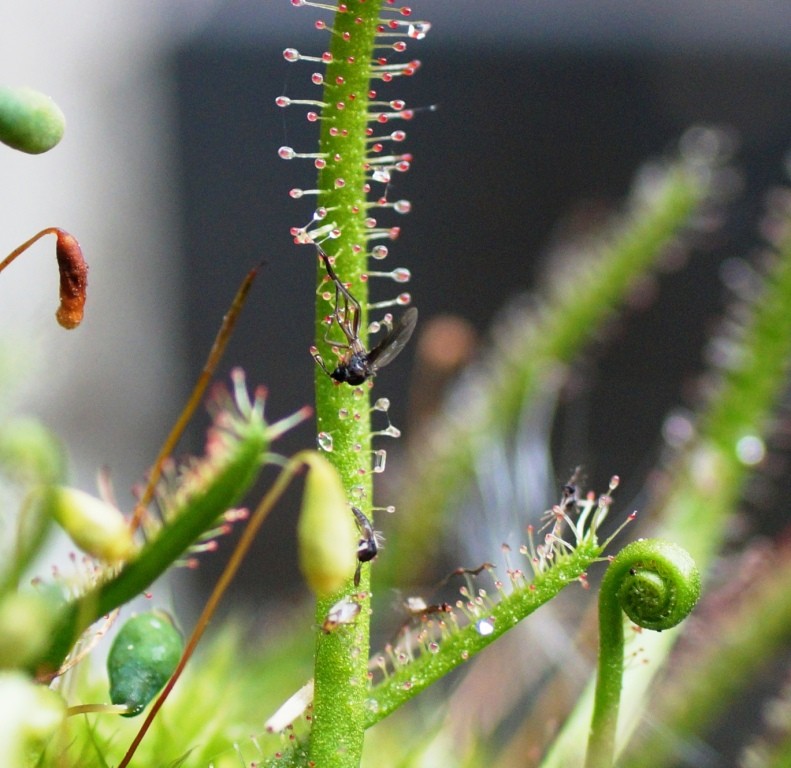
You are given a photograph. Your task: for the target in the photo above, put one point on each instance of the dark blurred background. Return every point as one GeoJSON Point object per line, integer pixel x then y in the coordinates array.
{"type": "Point", "coordinates": [544, 117]}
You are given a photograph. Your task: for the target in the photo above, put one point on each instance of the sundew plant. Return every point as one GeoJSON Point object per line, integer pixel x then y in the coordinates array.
{"type": "Point", "coordinates": [359, 682]}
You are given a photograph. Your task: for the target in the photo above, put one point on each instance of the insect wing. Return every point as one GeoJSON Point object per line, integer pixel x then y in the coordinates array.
{"type": "Point", "coordinates": [387, 349]}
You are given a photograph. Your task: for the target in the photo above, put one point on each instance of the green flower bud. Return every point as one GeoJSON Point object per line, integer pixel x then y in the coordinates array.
{"type": "Point", "coordinates": [29, 714]}
{"type": "Point", "coordinates": [30, 121]}
{"type": "Point", "coordinates": [143, 656]}
{"type": "Point", "coordinates": [95, 526]}
{"type": "Point", "coordinates": [326, 533]}
{"type": "Point", "coordinates": [26, 622]}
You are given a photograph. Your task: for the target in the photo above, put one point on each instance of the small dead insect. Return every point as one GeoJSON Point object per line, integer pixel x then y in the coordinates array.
{"type": "Point", "coordinates": [345, 611]}
{"type": "Point", "coordinates": [356, 363]}
{"type": "Point", "coordinates": [569, 499]}
{"type": "Point", "coordinates": [570, 493]}
{"type": "Point", "coordinates": [370, 542]}
{"type": "Point", "coordinates": [417, 608]}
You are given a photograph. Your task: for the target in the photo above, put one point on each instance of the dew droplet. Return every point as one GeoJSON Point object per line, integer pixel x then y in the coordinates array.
{"type": "Point", "coordinates": [286, 153]}
{"type": "Point", "coordinates": [382, 404]}
{"type": "Point", "coordinates": [485, 627]}
{"type": "Point", "coordinates": [418, 30]}
{"type": "Point", "coordinates": [343, 413]}
{"type": "Point", "coordinates": [380, 458]}
{"type": "Point", "coordinates": [358, 393]}
{"type": "Point", "coordinates": [401, 275]}
{"type": "Point", "coordinates": [391, 431]}
{"type": "Point", "coordinates": [324, 441]}
{"type": "Point", "coordinates": [379, 252]}
{"type": "Point", "coordinates": [382, 175]}
{"type": "Point", "coordinates": [390, 509]}
{"type": "Point", "coordinates": [433, 647]}
{"type": "Point", "coordinates": [372, 705]}
{"type": "Point", "coordinates": [406, 685]}
{"type": "Point", "coordinates": [402, 206]}
{"type": "Point", "coordinates": [465, 655]}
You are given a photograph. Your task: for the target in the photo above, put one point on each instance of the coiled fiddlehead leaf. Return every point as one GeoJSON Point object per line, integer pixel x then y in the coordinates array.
{"type": "Point", "coordinates": [656, 583]}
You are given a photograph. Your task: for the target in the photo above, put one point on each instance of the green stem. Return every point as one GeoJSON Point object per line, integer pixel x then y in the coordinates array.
{"type": "Point", "coordinates": [487, 622]}
{"type": "Point", "coordinates": [343, 411]}
{"type": "Point", "coordinates": [656, 584]}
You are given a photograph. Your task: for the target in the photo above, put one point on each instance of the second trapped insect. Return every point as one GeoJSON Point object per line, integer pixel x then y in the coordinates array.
{"type": "Point", "coordinates": [370, 542]}
{"type": "Point", "coordinates": [345, 611]}
{"type": "Point", "coordinates": [356, 363]}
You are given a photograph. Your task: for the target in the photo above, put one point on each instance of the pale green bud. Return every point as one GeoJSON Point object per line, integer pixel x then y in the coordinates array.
{"type": "Point", "coordinates": [30, 121]}
{"type": "Point", "coordinates": [95, 526]}
{"type": "Point", "coordinates": [29, 714]}
{"type": "Point", "coordinates": [326, 533]}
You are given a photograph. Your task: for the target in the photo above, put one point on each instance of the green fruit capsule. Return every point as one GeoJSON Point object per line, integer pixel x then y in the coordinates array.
{"type": "Point", "coordinates": [142, 658]}
{"type": "Point", "coordinates": [30, 121]}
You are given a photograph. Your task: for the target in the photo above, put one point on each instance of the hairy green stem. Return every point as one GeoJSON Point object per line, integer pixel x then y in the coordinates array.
{"type": "Point", "coordinates": [656, 584]}
{"type": "Point", "coordinates": [342, 411]}
{"type": "Point", "coordinates": [486, 622]}
{"type": "Point", "coordinates": [222, 487]}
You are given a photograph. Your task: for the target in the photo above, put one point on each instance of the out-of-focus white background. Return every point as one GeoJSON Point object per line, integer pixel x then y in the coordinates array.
{"type": "Point", "coordinates": [107, 387]}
